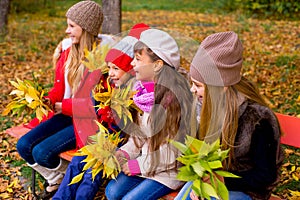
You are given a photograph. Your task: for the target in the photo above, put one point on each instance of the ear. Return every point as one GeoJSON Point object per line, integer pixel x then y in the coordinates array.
{"type": "Point", "coordinates": [158, 65]}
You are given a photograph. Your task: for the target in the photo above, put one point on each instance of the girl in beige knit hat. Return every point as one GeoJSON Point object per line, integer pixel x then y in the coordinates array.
{"type": "Point", "coordinates": [70, 97]}
{"type": "Point", "coordinates": [234, 111]}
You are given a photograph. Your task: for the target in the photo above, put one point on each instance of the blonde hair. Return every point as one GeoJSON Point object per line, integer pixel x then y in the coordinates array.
{"type": "Point", "coordinates": [73, 63]}
{"type": "Point", "coordinates": [219, 115]}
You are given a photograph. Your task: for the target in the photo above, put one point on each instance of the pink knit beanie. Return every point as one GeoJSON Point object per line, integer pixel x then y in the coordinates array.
{"type": "Point", "coordinates": [122, 53]}
{"type": "Point", "coordinates": [88, 15]}
{"type": "Point", "coordinates": [163, 45]}
{"type": "Point", "coordinates": [218, 61]}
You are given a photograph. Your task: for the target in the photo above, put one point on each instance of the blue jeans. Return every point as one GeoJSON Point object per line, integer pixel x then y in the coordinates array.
{"type": "Point", "coordinates": [83, 190]}
{"type": "Point", "coordinates": [233, 195]}
{"type": "Point", "coordinates": [44, 143]}
{"type": "Point", "coordinates": [135, 188]}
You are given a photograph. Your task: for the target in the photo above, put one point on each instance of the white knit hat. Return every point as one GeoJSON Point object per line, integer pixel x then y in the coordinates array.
{"type": "Point", "coordinates": [163, 45]}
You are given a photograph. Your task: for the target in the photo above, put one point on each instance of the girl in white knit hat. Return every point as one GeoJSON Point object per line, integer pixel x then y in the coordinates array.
{"type": "Point", "coordinates": [70, 97]}
{"type": "Point", "coordinates": [148, 160]}
{"type": "Point", "coordinates": [234, 111]}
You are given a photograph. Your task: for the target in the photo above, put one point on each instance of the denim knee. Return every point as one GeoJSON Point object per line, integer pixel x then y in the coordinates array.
{"type": "Point", "coordinates": [24, 149]}
{"type": "Point", "coordinates": [43, 157]}
{"type": "Point", "coordinates": [110, 192]}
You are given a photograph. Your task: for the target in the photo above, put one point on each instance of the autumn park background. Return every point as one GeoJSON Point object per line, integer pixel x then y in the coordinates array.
{"type": "Point", "coordinates": [269, 30]}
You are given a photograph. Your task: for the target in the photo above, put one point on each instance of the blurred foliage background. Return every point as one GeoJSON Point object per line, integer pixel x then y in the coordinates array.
{"type": "Point", "coordinates": [269, 30]}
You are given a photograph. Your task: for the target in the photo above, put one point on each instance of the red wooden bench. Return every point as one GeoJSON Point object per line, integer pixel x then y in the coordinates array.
{"type": "Point", "coordinates": [290, 126]}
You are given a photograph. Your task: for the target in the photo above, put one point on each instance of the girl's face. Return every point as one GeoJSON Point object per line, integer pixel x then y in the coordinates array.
{"type": "Point", "coordinates": [198, 89]}
{"type": "Point", "coordinates": [117, 75]}
{"type": "Point", "coordinates": [74, 31]}
{"type": "Point", "coordinates": [143, 66]}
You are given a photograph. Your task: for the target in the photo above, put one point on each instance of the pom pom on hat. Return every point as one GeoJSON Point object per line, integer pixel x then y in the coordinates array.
{"type": "Point", "coordinates": [88, 15]}
{"type": "Point", "coordinates": [163, 45]}
{"type": "Point", "coordinates": [122, 53]}
{"type": "Point", "coordinates": [218, 61]}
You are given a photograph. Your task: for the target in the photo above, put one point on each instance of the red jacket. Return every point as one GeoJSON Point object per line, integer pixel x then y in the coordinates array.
{"type": "Point", "coordinates": [81, 106]}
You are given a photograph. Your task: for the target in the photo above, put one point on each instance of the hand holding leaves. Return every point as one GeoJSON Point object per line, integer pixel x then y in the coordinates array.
{"type": "Point", "coordinates": [203, 161]}
{"type": "Point", "coordinates": [29, 97]}
{"type": "Point", "coordinates": [100, 155]}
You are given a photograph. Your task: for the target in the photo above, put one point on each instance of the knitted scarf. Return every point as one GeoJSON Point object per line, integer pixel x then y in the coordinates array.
{"type": "Point", "coordinates": [144, 98]}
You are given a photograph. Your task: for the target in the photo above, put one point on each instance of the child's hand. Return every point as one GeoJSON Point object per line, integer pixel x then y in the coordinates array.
{"type": "Point", "coordinates": [58, 107]}
{"type": "Point", "coordinates": [193, 195]}
{"type": "Point", "coordinates": [47, 101]}
{"type": "Point", "coordinates": [121, 157]}
{"type": "Point", "coordinates": [125, 169]}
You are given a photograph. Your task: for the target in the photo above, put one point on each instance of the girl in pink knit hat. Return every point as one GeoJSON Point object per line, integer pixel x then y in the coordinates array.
{"type": "Point", "coordinates": [234, 111]}
{"type": "Point", "coordinates": [148, 160]}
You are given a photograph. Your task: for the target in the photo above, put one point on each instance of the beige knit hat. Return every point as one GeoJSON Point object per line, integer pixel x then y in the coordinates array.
{"type": "Point", "coordinates": [163, 45]}
{"type": "Point", "coordinates": [88, 15]}
{"type": "Point", "coordinates": [218, 61]}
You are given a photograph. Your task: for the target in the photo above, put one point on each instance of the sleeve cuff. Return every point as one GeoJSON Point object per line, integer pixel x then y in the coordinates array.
{"type": "Point", "coordinates": [125, 154]}
{"type": "Point", "coordinates": [134, 167]}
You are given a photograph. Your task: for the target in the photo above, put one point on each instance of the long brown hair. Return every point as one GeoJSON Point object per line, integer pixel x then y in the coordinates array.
{"type": "Point", "coordinates": [170, 116]}
{"type": "Point", "coordinates": [219, 115]}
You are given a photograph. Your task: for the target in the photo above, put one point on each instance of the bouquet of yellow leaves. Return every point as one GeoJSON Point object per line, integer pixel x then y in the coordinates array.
{"type": "Point", "coordinates": [100, 155]}
{"type": "Point", "coordinates": [95, 59]}
{"type": "Point", "coordinates": [203, 161]}
{"type": "Point", "coordinates": [29, 98]}
{"type": "Point", "coordinates": [117, 99]}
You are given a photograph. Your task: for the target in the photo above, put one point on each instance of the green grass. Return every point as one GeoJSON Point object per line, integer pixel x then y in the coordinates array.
{"type": "Point", "coordinates": [56, 8]}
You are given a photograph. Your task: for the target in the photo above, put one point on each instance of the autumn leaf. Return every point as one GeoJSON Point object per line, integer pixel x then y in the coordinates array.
{"type": "Point", "coordinates": [120, 100]}
{"type": "Point", "coordinates": [95, 59]}
{"type": "Point", "coordinates": [29, 99]}
{"type": "Point", "coordinates": [200, 160]}
{"type": "Point", "coordinates": [100, 155]}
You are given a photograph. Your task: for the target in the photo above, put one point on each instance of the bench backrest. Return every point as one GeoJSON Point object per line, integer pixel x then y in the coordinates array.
{"type": "Point", "coordinates": [291, 129]}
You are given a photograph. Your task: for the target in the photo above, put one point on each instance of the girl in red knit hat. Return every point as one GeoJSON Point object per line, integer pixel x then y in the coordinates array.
{"type": "Point", "coordinates": [120, 74]}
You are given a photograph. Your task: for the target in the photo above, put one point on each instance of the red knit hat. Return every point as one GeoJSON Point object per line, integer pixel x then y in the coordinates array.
{"type": "Point", "coordinates": [122, 53]}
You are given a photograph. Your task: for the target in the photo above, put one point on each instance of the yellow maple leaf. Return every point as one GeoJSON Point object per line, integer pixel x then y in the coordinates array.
{"type": "Point", "coordinates": [95, 59]}
{"type": "Point", "coordinates": [29, 98]}
{"type": "Point", "coordinates": [100, 154]}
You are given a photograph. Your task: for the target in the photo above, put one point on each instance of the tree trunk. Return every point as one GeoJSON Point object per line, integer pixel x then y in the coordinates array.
{"type": "Point", "coordinates": [4, 8]}
{"type": "Point", "coordinates": [112, 16]}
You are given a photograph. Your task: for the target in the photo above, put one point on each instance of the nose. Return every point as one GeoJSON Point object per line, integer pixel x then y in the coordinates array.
{"type": "Point", "coordinates": [111, 72]}
{"type": "Point", "coordinates": [192, 89]}
{"type": "Point", "coordinates": [68, 30]}
{"type": "Point", "coordinates": [133, 62]}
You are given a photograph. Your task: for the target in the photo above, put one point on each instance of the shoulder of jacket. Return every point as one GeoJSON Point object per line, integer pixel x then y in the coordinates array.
{"type": "Point", "coordinates": [66, 43]}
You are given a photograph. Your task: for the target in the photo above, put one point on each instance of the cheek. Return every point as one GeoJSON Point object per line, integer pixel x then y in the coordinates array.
{"type": "Point", "coordinates": [201, 91]}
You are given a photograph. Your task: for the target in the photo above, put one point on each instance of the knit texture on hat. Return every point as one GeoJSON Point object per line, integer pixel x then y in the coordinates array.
{"type": "Point", "coordinates": [122, 53]}
{"type": "Point", "coordinates": [88, 15]}
{"type": "Point", "coordinates": [218, 61]}
{"type": "Point", "coordinates": [163, 45]}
